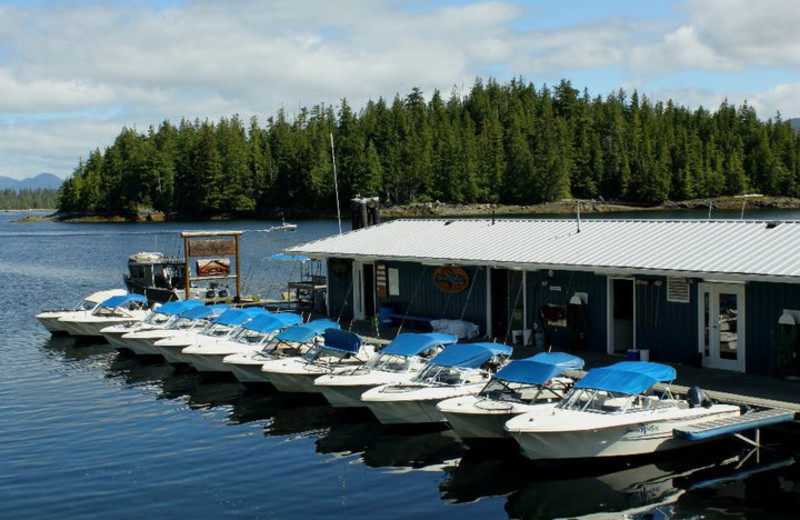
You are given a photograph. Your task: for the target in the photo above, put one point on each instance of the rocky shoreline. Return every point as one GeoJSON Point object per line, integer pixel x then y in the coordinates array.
{"type": "Point", "coordinates": [441, 209]}
{"type": "Point", "coordinates": [438, 209]}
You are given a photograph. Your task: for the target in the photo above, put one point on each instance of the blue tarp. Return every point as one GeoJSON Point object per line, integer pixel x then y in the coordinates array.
{"type": "Point", "coordinates": [283, 257]}
{"type": "Point", "coordinates": [177, 307]}
{"type": "Point", "coordinates": [321, 325]}
{"type": "Point", "coordinates": [539, 369]}
{"type": "Point", "coordinates": [206, 311]}
{"type": "Point", "coordinates": [412, 343]}
{"type": "Point", "coordinates": [307, 331]}
{"type": "Point", "coordinates": [273, 322]}
{"type": "Point", "coordinates": [627, 377]}
{"type": "Point", "coordinates": [239, 316]}
{"type": "Point", "coordinates": [469, 355]}
{"type": "Point", "coordinates": [116, 301]}
{"type": "Point", "coordinates": [342, 340]}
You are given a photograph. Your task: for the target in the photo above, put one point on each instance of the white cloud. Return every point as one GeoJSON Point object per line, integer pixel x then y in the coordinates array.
{"type": "Point", "coordinates": [130, 64]}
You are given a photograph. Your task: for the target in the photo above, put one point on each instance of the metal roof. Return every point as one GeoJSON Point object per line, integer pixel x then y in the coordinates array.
{"type": "Point", "coordinates": [718, 249]}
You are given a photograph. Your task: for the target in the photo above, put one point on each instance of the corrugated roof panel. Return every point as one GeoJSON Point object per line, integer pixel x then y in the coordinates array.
{"type": "Point", "coordinates": [681, 246]}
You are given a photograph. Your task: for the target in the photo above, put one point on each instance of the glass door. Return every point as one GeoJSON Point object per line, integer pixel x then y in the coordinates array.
{"type": "Point", "coordinates": [722, 326]}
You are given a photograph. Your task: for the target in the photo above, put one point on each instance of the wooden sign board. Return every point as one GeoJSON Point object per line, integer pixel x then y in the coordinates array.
{"type": "Point", "coordinates": [212, 247]}
{"type": "Point", "coordinates": [214, 267]}
{"type": "Point", "coordinates": [381, 282]}
{"type": "Point", "coordinates": [451, 279]}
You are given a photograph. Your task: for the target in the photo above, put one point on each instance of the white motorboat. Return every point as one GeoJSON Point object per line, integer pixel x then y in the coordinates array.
{"type": "Point", "coordinates": [613, 411]}
{"type": "Point", "coordinates": [142, 342]}
{"type": "Point", "coordinates": [159, 318]}
{"type": "Point", "coordinates": [290, 342]}
{"type": "Point", "coordinates": [124, 309]}
{"type": "Point", "coordinates": [522, 385]}
{"type": "Point", "coordinates": [460, 369]}
{"type": "Point", "coordinates": [207, 356]}
{"type": "Point", "coordinates": [221, 327]}
{"type": "Point", "coordinates": [50, 318]}
{"type": "Point", "coordinates": [397, 362]}
{"type": "Point", "coordinates": [339, 351]}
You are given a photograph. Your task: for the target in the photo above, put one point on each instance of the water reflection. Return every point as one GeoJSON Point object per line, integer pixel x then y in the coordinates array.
{"type": "Point", "coordinates": [70, 350]}
{"type": "Point", "coordinates": [646, 489]}
{"type": "Point", "coordinates": [720, 478]}
{"type": "Point", "coordinates": [387, 447]}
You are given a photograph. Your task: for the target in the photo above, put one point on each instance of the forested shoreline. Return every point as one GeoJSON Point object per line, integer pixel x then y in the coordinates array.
{"type": "Point", "coordinates": [500, 144]}
{"type": "Point", "coordinates": [26, 198]}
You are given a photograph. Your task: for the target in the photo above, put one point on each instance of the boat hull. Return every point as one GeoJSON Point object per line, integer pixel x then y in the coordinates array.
{"type": "Point", "coordinates": [645, 436]}
{"type": "Point", "coordinates": [344, 396]}
{"type": "Point", "coordinates": [91, 327]}
{"type": "Point", "coordinates": [247, 367]}
{"type": "Point", "coordinates": [294, 383]}
{"type": "Point", "coordinates": [476, 418]}
{"type": "Point", "coordinates": [207, 363]}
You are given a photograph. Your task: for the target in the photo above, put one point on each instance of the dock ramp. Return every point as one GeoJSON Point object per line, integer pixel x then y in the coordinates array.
{"type": "Point", "coordinates": [733, 425]}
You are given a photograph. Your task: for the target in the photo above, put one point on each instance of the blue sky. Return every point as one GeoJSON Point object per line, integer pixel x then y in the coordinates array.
{"type": "Point", "coordinates": [73, 73]}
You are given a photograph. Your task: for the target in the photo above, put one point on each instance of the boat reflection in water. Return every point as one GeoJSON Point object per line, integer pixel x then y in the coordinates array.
{"type": "Point", "coordinates": [380, 446]}
{"type": "Point", "coordinates": [648, 489]}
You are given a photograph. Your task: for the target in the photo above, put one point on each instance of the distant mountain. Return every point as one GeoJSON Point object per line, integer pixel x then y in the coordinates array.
{"type": "Point", "coordinates": [795, 122]}
{"type": "Point", "coordinates": [46, 181]}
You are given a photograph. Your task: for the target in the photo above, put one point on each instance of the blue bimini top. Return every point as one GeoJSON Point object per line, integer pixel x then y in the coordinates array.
{"type": "Point", "coordinates": [177, 307]}
{"type": "Point", "coordinates": [307, 331]}
{"type": "Point", "coordinates": [272, 322]}
{"type": "Point", "coordinates": [469, 355]}
{"type": "Point", "coordinates": [342, 340]}
{"type": "Point", "coordinates": [116, 301]}
{"type": "Point", "coordinates": [239, 316]}
{"type": "Point", "coordinates": [206, 311]}
{"type": "Point", "coordinates": [412, 343]}
{"type": "Point", "coordinates": [539, 369]}
{"type": "Point", "coordinates": [627, 377]}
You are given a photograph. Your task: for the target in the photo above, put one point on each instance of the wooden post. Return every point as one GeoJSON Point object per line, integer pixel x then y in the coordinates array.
{"type": "Point", "coordinates": [186, 268]}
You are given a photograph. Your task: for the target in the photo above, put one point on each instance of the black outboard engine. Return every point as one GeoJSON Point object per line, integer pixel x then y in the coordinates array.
{"type": "Point", "coordinates": [698, 397]}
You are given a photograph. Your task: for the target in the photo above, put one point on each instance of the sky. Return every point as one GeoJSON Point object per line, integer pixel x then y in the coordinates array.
{"type": "Point", "coordinates": [73, 73]}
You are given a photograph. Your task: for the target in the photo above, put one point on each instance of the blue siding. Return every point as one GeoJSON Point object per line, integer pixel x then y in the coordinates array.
{"type": "Point", "coordinates": [667, 329]}
{"type": "Point", "coordinates": [418, 295]}
{"type": "Point", "coordinates": [764, 304]}
{"type": "Point", "coordinates": [542, 291]}
{"type": "Point", "coordinates": [340, 291]}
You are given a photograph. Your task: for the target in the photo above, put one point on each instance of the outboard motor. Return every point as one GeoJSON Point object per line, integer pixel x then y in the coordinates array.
{"type": "Point", "coordinates": [698, 397]}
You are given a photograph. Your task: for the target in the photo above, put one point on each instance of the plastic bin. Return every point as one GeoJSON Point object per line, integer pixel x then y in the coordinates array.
{"type": "Point", "coordinates": [385, 315]}
{"type": "Point", "coordinates": [633, 355]}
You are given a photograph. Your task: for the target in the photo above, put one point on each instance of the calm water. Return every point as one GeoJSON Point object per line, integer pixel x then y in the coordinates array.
{"type": "Point", "coordinates": [88, 434]}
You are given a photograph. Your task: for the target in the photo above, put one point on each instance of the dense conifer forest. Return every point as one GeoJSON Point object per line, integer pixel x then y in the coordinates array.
{"type": "Point", "coordinates": [28, 199]}
{"type": "Point", "coordinates": [508, 143]}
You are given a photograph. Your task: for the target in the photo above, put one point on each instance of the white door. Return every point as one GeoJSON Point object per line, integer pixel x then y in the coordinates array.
{"type": "Point", "coordinates": [359, 311]}
{"type": "Point", "coordinates": [721, 321]}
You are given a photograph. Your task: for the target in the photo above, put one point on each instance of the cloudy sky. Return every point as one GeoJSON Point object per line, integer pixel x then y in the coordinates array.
{"type": "Point", "coordinates": [74, 72]}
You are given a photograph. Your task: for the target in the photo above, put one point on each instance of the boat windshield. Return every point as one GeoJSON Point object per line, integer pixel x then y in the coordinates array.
{"type": "Point", "coordinates": [388, 362]}
{"type": "Point", "coordinates": [442, 375]}
{"type": "Point", "coordinates": [500, 390]}
{"type": "Point", "coordinates": [186, 324]}
{"type": "Point", "coordinates": [85, 305]}
{"type": "Point", "coordinates": [320, 354]}
{"type": "Point", "coordinates": [217, 330]}
{"type": "Point", "coordinates": [252, 337]}
{"type": "Point", "coordinates": [158, 319]}
{"type": "Point", "coordinates": [604, 401]}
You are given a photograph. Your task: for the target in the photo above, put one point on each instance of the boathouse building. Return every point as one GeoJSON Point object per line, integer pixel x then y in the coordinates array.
{"type": "Point", "coordinates": [721, 294]}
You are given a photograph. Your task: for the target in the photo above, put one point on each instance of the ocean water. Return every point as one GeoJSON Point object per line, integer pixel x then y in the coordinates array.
{"type": "Point", "coordinates": [85, 433]}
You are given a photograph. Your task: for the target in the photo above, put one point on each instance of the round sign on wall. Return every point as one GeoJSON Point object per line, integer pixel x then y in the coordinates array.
{"type": "Point", "coordinates": [449, 278]}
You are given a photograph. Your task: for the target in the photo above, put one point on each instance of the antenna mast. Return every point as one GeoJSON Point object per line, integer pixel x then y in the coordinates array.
{"type": "Point", "coordinates": [336, 186]}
